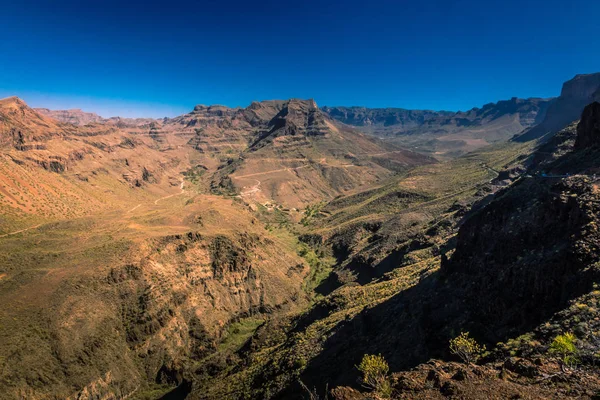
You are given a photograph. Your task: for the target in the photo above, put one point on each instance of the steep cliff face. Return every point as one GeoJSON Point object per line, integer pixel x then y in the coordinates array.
{"type": "Point", "coordinates": [72, 116]}
{"type": "Point", "coordinates": [176, 303]}
{"type": "Point", "coordinates": [397, 121]}
{"type": "Point", "coordinates": [296, 117]}
{"type": "Point", "coordinates": [581, 87]}
{"type": "Point", "coordinates": [530, 251]}
{"type": "Point", "coordinates": [575, 95]}
{"type": "Point", "coordinates": [588, 130]}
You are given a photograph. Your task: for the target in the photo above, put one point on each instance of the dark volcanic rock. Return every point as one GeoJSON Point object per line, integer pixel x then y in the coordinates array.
{"type": "Point", "coordinates": [588, 130]}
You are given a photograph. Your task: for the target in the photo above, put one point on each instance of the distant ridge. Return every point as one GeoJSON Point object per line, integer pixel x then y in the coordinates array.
{"type": "Point", "coordinates": [446, 134]}
{"type": "Point", "coordinates": [79, 117]}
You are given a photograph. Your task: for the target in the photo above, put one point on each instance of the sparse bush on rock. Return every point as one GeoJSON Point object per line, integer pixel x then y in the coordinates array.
{"type": "Point", "coordinates": [466, 348]}
{"type": "Point", "coordinates": [375, 371]}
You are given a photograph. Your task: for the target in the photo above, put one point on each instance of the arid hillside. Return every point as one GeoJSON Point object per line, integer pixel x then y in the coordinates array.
{"type": "Point", "coordinates": [272, 252]}
{"type": "Point", "coordinates": [112, 252]}
{"type": "Point", "coordinates": [298, 156]}
{"type": "Point", "coordinates": [126, 260]}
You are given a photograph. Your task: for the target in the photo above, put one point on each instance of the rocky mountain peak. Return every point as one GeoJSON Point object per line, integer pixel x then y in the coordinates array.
{"type": "Point", "coordinates": [588, 129]}
{"type": "Point", "coordinates": [309, 104]}
{"type": "Point", "coordinates": [12, 102]}
{"type": "Point", "coordinates": [581, 86]}
{"type": "Point", "coordinates": [299, 117]}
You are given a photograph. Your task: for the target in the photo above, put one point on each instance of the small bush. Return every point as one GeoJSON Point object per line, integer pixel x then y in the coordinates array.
{"type": "Point", "coordinates": [375, 374]}
{"type": "Point", "coordinates": [563, 346]}
{"type": "Point", "coordinates": [466, 348]}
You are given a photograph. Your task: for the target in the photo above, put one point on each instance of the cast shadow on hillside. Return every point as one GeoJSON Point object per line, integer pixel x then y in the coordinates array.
{"type": "Point", "coordinates": [364, 272]}
{"type": "Point", "coordinates": [179, 393]}
{"type": "Point", "coordinates": [415, 326]}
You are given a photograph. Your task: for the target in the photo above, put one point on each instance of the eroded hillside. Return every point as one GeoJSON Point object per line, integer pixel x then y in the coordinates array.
{"type": "Point", "coordinates": [298, 156]}
{"type": "Point", "coordinates": [131, 250]}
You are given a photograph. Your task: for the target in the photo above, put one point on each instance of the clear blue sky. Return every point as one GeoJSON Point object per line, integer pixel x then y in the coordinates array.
{"type": "Point", "coordinates": [161, 58]}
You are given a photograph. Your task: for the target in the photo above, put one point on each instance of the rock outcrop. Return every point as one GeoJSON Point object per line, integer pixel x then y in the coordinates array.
{"type": "Point", "coordinates": [588, 130]}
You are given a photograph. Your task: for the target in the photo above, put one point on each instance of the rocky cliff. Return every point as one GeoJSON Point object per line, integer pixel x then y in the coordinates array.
{"type": "Point", "coordinates": [575, 95]}
{"type": "Point", "coordinates": [588, 130]}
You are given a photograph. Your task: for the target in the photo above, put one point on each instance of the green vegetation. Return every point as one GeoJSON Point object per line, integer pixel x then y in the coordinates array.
{"type": "Point", "coordinates": [563, 346]}
{"type": "Point", "coordinates": [466, 348]}
{"type": "Point", "coordinates": [273, 218]}
{"type": "Point", "coordinates": [154, 391]}
{"type": "Point", "coordinates": [238, 333]}
{"type": "Point", "coordinates": [194, 174]}
{"type": "Point", "coordinates": [375, 371]}
{"type": "Point", "coordinates": [320, 266]}
{"type": "Point", "coordinates": [311, 212]}
{"type": "Point", "coordinates": [430, 189]}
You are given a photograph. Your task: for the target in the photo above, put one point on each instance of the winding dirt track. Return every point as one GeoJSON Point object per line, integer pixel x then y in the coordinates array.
{"type": "Point", "coordinates": [253, 189]}
{"type": "Point", "coordinates": [19, 231]}
{"type": "Point", "coordinates": [134, 208]}
{"type": "Point", "coordinates": [169, 196]}
{"type": "Point", "coordinates": [323, 161]}
{"type": "Point", "coordinates": [270, 172]}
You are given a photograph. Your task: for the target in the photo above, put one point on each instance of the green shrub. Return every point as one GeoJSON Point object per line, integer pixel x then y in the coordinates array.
{"type": "Point", "coordinates": [375, 371]}
{"type": "Point", "coordinates": [466, 348]}
{"type": "Point", "coordinates": [563, 346]}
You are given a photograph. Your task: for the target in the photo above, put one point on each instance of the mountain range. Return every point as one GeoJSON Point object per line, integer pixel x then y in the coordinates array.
{"type": "Point", "coordinates": [287, 251]}
{"type": "Point", "coordinates": [440, 134]}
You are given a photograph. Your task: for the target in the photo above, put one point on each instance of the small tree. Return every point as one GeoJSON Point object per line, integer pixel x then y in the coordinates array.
{"type": "Point", "coordinates": [466, 348]}
{"type": "Point", "coordinates": [375, 374]}
{"type": "Point", "coordinates": [564, 347]}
